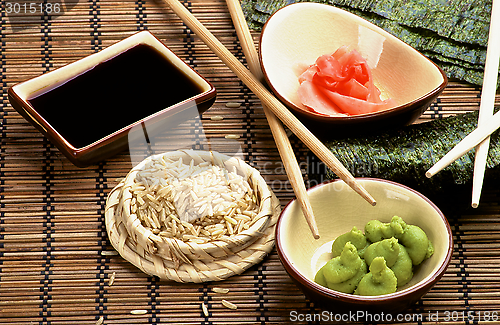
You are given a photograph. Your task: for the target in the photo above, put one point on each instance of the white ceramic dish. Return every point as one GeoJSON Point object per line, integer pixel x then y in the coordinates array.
{"type": "Point", "coordinates": [296, 35]}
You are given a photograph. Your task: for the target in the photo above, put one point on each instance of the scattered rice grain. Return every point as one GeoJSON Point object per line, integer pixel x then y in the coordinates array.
{"type": "Point", "coordinates": [139, 312]}
{"type": "Point", "coordinates": [228, 304]}
{"type": "Point", "coordinates": [220, 290]}
{"type": "Point", "coordinates": [109, 253]}
{"type": "Point", "coordinates": [204, 309]}
{"type": "Point", "coordinates": [216, 118]}
{"type": "Point", "coordinates": [232, 136]}
{"type": "Point", "coordinates": [233, 104]}
{"type": "Point", "coordinates": [100, 321]}
{"type": "Point", "coordinates": [112, 279]}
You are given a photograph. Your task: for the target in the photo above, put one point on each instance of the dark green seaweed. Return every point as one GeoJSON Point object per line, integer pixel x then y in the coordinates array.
{"type": "Point", "coordinates": [405, 155]}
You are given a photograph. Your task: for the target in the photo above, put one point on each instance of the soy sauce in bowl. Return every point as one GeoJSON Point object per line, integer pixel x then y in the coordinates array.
{"type": "Point", "coordinates": [90, 108]}
{"type": "Point", "coordinates": [113, 95]}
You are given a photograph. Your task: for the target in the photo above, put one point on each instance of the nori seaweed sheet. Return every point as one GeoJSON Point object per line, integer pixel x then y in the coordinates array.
{"type": "Point", "coordinates": [405, 155]}
{"type": "Point", "coordinates": [452, 33]}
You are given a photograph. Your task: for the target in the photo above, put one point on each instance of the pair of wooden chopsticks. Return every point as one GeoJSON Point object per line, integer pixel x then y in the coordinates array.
{"type": "Point", "coordinates": [487, 122]}
{"type": "Point", "coordinates": [280, 137]}
{"type": "Point", "coordinates": [273, 104]}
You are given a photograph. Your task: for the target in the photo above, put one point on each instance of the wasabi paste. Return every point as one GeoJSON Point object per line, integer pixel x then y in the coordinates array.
{"type": "Point", "coordinates": [389, 250]}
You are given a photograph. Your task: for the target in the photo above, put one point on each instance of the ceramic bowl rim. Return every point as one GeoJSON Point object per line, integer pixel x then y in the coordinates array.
{"type": "Point", "coordinates": [417, 102]}
{"type": "Point", "coordinates": [350, 298]}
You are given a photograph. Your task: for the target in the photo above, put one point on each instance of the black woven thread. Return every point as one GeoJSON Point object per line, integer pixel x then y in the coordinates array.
{"type": "Point", "coordinates": [95, 24]}
{"type": "Point", "coordinates": [188, 40]}
{"type": "Point", "coordinates": [140, 6]}
{"type": "Point", "coordinates": [461, 265]}
{"type": "Point", "coordinates": [247, 108]}
{"type": "Point", "coordinates": [48, 174]}
{"type": "Point", "coordinates": [260, 291]}
{"type": "Point", "coordinates": [153, 295]}
{"type": "Point", "coordinates": [48, 231]}
{"type": "Point", "coordinates": [101, 181]}
{"type": "Point", "coordinates": [4, 88]}
{"type": "Point", "coordinates": [103, 268]}
{"type": "Point", "coordinates": [206, 299]}
{"type": "Point", "coordinates": [196, 125]}
{"type": "Point", "coordinates": [436, 109]}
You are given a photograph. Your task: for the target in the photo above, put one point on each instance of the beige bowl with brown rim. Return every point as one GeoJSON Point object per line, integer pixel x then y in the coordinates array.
{"type": "Point", "coordinates": [297, 34]}
{"type": "Point", "coordinates": [337, 209]}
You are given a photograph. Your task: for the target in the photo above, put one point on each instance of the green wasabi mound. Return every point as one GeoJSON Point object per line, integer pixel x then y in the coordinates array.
{"type": "Point", "coordinates": [376, 231]}
{"type": "Point", "coordinates": [355, 236]}
{"type": "Point", "coordinates": [388, 250]}
{"type": "Point", "coordinates": [342, 273]}
{"type": "Point", "coordinates": [379, 281]}
{"type": "Point", "coordinates": [412, 237]}
{"type": "Point", "coordinates": [416, 242]}
{"type": "Point", "coordinates": [403, 267]}
{"type": "Point", "coordinates": [350, 285]}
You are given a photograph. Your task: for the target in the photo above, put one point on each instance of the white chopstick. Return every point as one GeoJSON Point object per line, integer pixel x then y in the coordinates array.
{"type": "Point", "coordinates": [488, 124]}
{"type": "Point", "coordinates": [487, 104]}
{"type": "Point", "coordinates": [470, 141]}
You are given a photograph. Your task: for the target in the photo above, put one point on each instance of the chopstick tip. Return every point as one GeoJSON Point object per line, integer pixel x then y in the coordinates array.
{"type": "Point", "coordinates": [474, 205]}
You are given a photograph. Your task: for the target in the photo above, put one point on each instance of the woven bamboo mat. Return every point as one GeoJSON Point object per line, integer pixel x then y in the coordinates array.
{"type": "Point", "coordinates": [56, 262]}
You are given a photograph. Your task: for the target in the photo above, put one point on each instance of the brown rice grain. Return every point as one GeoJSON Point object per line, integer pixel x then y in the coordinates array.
{"type": "Point", "coordinates": [112, 279]}
{"type": "Point", "coordinates": [228, 304]}
{"type": "Point", "coordinates": [204, 309]}
{"type": "Point", "coordinates": [233, 105]}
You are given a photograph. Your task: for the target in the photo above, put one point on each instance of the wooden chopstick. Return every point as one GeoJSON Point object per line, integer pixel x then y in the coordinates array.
{"type": "Point", "coordinates": [287, 154]}
{"type": "Point", "coordinates": [268, 99]}
{"type": "Point", "coordinates": [470, 141]}
{"type": "Point", "coordinates": [487, 104]}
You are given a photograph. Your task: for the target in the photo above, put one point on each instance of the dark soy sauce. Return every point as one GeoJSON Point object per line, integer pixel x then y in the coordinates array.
{"type": "Point", "coordinates": [114, 94]}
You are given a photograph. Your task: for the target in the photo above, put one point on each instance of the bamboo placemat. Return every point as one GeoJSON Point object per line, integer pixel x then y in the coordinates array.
{"type": "Point", "coordinates": [56, 263]}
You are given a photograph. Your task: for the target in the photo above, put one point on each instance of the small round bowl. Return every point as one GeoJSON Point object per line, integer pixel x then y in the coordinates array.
{"type": "Point", "coordinates": [297, 34]}
{"type": "Point", "coordinates": [337, 208]}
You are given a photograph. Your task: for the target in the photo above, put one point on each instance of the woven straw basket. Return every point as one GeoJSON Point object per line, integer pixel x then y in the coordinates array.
{"type": "Point", "coordinates": [174, 259]}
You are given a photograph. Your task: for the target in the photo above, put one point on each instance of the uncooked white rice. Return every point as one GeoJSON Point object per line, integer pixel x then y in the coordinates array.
{"type": "Point", "coordinates": [194, 203]}
{"type": "Point", "coordinates": [139, 312]}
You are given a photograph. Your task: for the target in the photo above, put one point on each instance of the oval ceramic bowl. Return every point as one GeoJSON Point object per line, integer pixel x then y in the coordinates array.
{"type": "Point", "coordinates": [98, 121]}
{"type": "Point", "coordinates": [297, 34]}
{"type": "Point", "coordinates": [337, 209]}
